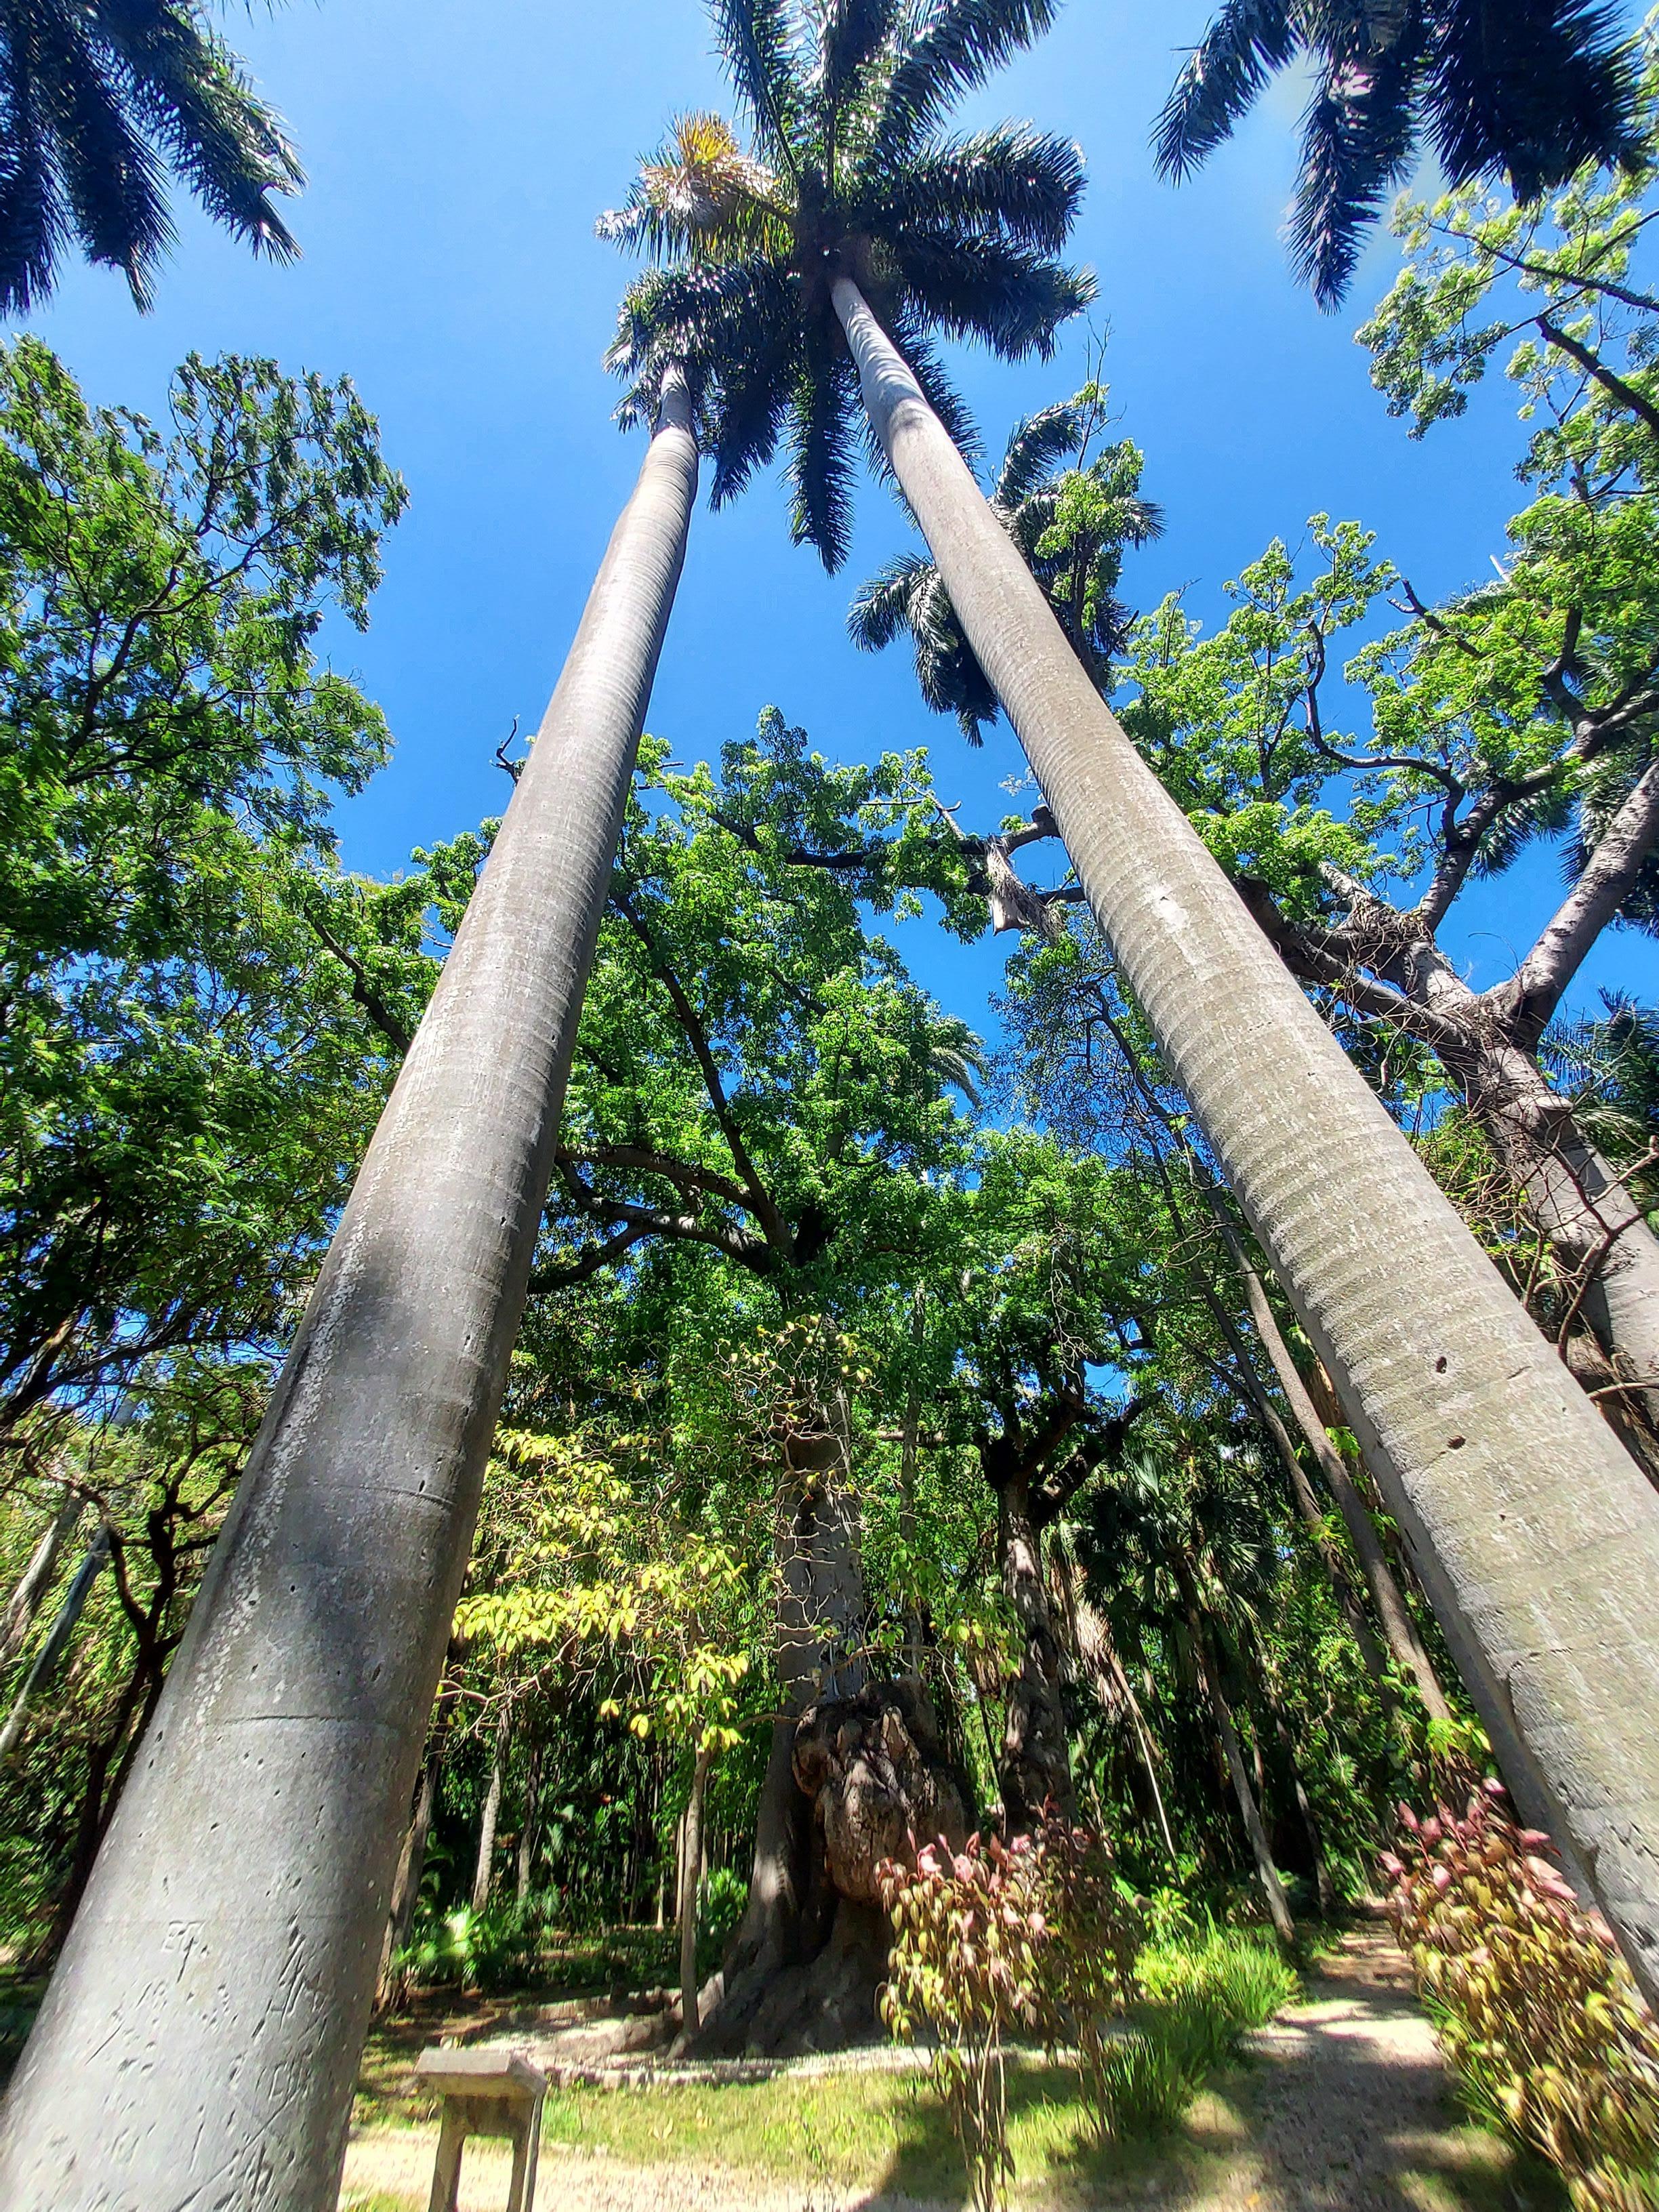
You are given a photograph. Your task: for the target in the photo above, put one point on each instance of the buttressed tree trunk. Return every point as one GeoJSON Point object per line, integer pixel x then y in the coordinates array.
{"type": "Point", "coordinates": [856, 1767]}
{"type": "Point", "coordinates": [200, 2039]}
{"type": "Point", "coordinates": [1537, 1538]}
{"type": "Point", "coordinates": [1034, 1768]}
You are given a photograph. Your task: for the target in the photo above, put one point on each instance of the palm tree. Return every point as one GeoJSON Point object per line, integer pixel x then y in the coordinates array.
{"type": "Point", "coordinates": [201, 2032]}
{"type": "Point", "coordinates": [1536, 1537]}
{"type": "Point", "coordinates": [99, 99]}
{"type": "Point", "coordinates": [1071, 515]}
{"type": "Point", "coordinates": [1527, 90]}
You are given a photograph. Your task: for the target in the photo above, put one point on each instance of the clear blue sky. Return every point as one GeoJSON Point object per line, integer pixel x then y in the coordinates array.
{"type": "Point", "coordinates": [458, 155]}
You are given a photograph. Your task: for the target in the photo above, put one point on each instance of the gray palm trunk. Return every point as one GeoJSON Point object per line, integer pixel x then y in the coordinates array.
{"type": "Point", "coordinates": [200, 2039]}
{"type": "Point", "coordinates": [1535, 1534]}
{"type": "Point", "coordinates": [35, 1580]}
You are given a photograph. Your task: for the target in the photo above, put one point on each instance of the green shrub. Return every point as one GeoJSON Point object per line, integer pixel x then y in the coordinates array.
{"type": "Point", "coordinates": [1538, 2013]}
{"type": "Point", "coordinates": [1143, 2084]}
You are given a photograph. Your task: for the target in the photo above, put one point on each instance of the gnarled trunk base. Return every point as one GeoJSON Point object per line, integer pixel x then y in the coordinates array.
{"type": "Point", "coordinates": [851, 1783]}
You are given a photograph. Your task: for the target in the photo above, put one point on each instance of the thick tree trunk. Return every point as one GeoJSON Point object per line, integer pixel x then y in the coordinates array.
{"type": "Point", "coordinates": [856, 1768]}
{"type": "Point", "coordinates": [1537, 1537]}
{"type": "Point", "coordinates": [269, 1803]}
{"type": "Point", "coordinates": [483, 1871]}
{"type": "Point", "coordinates": [35, 1581]}
{"type": "Point", "coordinates": [1034, 1768]}
{"type": "Point", "coordinates": [690, 1886]}
{"type": "Point", "coordinates": [1581, 1205]}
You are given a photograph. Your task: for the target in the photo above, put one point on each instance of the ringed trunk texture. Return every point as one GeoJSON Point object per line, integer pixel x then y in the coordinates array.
{"type": "Point", "coordinates": [201, 2037]}
{"type": "Point", "coordinates": [1536, 1536]}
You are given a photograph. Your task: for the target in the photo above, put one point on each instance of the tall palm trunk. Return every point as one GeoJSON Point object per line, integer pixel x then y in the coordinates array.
{"type": "Point", "coordinates": [1537, 1536]}
{"type": "Point", "coordinates": [201, 2037]}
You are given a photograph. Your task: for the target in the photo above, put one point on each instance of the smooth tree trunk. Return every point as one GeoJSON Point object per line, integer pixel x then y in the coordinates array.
{"type": "Point", "coordinates": [1398, 1627]}
{"type": "Point", "coordinates": [200, 2039]}
{"type": "Point", "coordinates": [35, 1580]}
{"type": "Point", "coordinates": [528, 1828]}
{"type": "Point", "coordinates": [484, 1868]}
{"type": "Point", "coordinates": [1250, 1812]}
{"type": "Point", "coordinates": [690, 1888]}
{"type": "Point", "coordinates": [1535, 1535]}
{"type": "Point", "coordinates": [56, 1642]}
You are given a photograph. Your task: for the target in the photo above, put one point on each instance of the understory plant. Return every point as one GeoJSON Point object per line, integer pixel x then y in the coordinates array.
{"type": "Point", "coordinates": [1537, 2011]}
{"type": "Point", "coordinates": [993, 1938]}
{"type": "Point", "coordinates": [1200, 1996]}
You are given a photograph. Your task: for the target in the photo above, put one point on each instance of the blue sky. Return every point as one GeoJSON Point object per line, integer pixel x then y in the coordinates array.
{"type": "Point", "coordinates": [458, 155]}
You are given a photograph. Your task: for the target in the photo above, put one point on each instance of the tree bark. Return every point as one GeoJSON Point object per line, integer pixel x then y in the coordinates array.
{"type": "Point", "coordinates": [1034, 1768]}
{"type": "Point", "coordinates": [35, 1581]}
{"type": "Point", "coordinates": [690, 1888]}
{"type": "Point", "coordinates": [1537, 1537]}
{"type": "Point", "coordinates": [274, 1784]}
{"type": "Point", "coordinates": [57, 1640]}
{"type": "Point", "coordinates": [527, 1828]}
{"type": "Point", "coordinates": [1398, 1626]}
{"type": "Point", "coordinates": [483, 1871]}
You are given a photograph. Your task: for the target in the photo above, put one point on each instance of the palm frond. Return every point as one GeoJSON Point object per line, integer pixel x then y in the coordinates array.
{"type": "Point", "coordinates": [1532, 89]}
{"type": "Point", "coordinates": [1010, 182]}
{"type": "Point", "coordinates": [1219, 79]}
{"type": "Point", "coordinates": [699, 195]}
{"type": "Point", "coordinates": [951, 48]}
{"type": "Point", "coordinates": [888, 604]}
{"type": "Point", "coordinates": [226, 144]}
{"type": "Point", "coordinates": [1036, 445]}
{"type": "Point", "coordinates": [1359, 139]}
{"type": "Point", "coordinates": [111, 180]}
{"type": "Point", "coordinates": [821, 468]}
{"type": "Point", "coordinates": [33, 223]}
{"type": "Point", "coordinates": [850, 33]}
{"type": "Point", "coordinates": [758, 44]}
{"type": "Point", "coordinates": [1011, 299]}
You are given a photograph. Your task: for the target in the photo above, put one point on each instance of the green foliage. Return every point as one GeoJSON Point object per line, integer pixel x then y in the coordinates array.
{"type": "Point", "coordinates": [1537, 2012]}
{"type": "Point", "coordinates": [192, 1054]}
{"type": "Point", "coordinates": [968, 1927]}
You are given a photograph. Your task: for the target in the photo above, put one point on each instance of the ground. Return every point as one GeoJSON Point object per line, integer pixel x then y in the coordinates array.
{"type": "Point", "coordinates": [1343, 2106]}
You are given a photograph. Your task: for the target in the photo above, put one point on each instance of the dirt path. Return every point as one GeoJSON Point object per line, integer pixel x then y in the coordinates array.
{"type": "Point", "coordinates": [1345, 2109]}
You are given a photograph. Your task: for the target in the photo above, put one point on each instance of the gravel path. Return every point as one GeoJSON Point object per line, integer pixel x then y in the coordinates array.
{"type": "Point", "coordinates": [1346, 2110]}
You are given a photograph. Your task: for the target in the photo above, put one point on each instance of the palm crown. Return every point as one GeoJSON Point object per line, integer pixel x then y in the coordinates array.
{"type": "Point", "coordinates": [846, 171]}
{"type": "Point", "coordinates": [1070, 512]}
{"type": "Point", "coordinates": [98, 99]}
{"type": "Point", "coordinates": [1530, 90]}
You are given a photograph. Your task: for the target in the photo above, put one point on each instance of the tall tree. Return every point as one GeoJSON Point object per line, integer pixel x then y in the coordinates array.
{"type": "Point", "coordinates": [97, 102]}
{"type": "Point", "coordinates": [784, 262]}
{"type": "Point", "coordinates": [314, 1649]}
{"type": "Point", "coordinates": [1527, 90]}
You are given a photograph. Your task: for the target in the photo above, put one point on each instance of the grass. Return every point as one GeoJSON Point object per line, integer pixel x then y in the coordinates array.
{"type": "Point", "coordinates": [867, 2132]}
